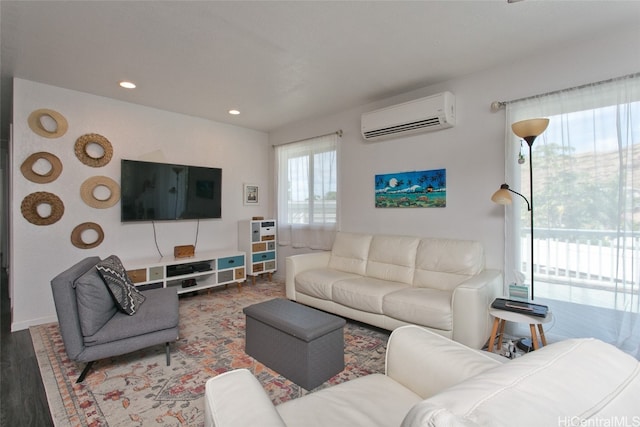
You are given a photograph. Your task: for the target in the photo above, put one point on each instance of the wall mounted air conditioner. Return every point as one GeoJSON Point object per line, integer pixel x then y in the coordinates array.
{"type": "Point", "coordinates": [421, 115]}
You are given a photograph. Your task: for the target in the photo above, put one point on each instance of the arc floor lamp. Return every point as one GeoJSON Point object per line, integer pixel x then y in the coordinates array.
{"type": "Point", "coordinates": [528, 130]}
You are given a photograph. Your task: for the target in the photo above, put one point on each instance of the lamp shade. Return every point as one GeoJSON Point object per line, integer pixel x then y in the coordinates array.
{"type": "Point", "coordinates": [530, 127]}
{"type": "Point", "coordinates": [502, 196]}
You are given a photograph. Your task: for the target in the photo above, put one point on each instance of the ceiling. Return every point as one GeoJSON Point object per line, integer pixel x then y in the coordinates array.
{"type": "Point", "coordinates": [280, 61]}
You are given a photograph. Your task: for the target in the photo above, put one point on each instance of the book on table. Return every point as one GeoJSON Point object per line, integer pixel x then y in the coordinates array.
{"type": "Point", "coordinates": [522, 307]}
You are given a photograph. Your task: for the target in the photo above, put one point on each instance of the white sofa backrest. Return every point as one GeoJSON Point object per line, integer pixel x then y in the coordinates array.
{"type": "Point", "coordinates": [426, 362]}
{"type": "Point", "coordinates": [349, 252]}
{"type": "Point", "coordinates": [572, 382]}
{"type": "Point", "coordinates": [392, 258]}
{"type": "Point", "coordinates": [445, 263]}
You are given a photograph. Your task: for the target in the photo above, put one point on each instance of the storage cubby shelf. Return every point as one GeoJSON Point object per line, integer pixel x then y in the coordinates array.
{"type": "Point", "coordinates": [258, 238]}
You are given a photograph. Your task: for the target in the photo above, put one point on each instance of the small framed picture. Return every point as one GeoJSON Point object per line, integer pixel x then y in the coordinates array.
{"type": "Point", "coordinates": [251, 194]}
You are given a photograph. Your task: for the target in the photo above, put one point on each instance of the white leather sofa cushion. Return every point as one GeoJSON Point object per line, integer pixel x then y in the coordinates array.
{"type": "Point", "coordinates": [222, 406]}
{"type": "Point", "coordinates": [365, 294]}
{"type": "Point", "coordinates": [445, 263]}
{"type": "Point", "coordinates": [349, 252]}
{"type": "Point", "coordinates": [392, 258]}
{"type": "Point", "coordinates": [319, 282]}
{"type": "Point", "coordinates": [421, 306]}
{"type": "Point", "coordinates": [373, 400]}
{"type": "Point", "coordinates": [573, 382]}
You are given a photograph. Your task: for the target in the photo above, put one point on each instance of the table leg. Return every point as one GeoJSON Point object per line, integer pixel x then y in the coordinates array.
{"type": "Point", "coordinates": [494, 330]}
{"type": "Point", "coordinates": [542, 337]}
{"type": "Point", "coordinates": [501, 334]}
{"type": "Point", "coordinates": [534, 337]}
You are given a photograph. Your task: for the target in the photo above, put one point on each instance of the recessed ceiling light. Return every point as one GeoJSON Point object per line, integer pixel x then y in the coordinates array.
{"type": "Point", "coordinates": [127, 85]}
{"type": "Point", "coordinates": [234, 112]}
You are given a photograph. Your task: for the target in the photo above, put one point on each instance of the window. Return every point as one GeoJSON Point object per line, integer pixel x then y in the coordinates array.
{"type": "Point", "coordinates": [586, 197]}
{"type": "Point", "coordinates": [307, 187]}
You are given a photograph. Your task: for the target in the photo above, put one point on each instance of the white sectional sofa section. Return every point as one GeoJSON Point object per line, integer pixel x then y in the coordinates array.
{"type": "Point", "coordinates": [390, 281]}
{"type": "Point", "coordinates": [431, 381]}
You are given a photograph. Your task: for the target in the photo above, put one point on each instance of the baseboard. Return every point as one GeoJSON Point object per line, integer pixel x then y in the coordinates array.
{"type": "Point", "coordinates": [19, 326]}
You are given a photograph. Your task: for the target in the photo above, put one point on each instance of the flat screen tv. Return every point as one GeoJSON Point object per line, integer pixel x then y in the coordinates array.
{"type": "Point", "coordinates": [161, 192]}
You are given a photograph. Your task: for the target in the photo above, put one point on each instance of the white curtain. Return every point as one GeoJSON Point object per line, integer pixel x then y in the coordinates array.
{"type": "Point", "coordinates": [307, 189]}
{"type": "Point", "coordinates": [586, 198]}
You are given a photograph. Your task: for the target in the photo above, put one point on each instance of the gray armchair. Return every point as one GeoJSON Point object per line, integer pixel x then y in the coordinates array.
{"type": "Point", "coordinates": [93, 328]}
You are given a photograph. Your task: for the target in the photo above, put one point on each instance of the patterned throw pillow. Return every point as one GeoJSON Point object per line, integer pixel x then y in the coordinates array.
{"type": "Point", "coordinates": [127, 297]}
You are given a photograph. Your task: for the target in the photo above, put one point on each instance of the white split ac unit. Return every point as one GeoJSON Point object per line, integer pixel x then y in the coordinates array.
{"type": "Point", "coordinates": [421, 115]}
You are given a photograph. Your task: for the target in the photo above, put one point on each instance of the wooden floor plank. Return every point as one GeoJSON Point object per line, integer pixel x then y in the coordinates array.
{"type": "Point", "coordinates": [23, 401]}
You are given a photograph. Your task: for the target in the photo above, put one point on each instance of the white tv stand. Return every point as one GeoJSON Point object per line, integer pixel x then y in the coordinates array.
{"type": "Point", "coordinates": [208, 269]}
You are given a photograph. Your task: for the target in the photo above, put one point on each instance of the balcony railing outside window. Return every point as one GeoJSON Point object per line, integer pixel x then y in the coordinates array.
{"type": "Point", "coordinates": [598, 268]}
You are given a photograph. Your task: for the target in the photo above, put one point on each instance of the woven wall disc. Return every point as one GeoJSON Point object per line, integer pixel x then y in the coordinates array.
{"type": "Point", "coordinates": [80, 149]}
{"type": "Point", "coordinates": [88, 187]}
{"type": "Point", "coordinates": [35, 123]}
{"type": "Point", "coordinates": [30, 203]}
{"type": "Point", "coordinates": [33, 176]}
{"type": "Point", "coordinates": [76, 235]}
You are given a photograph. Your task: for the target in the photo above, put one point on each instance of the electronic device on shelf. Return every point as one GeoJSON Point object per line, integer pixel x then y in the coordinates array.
{"type": "Point", "coordinates": [179, 270]}
{"type": "Point", "coordinates": [188, 283]}
{"type": "Point", "coordinates": [189, 268]}
{"type": "Point", "coordinates": [522, 307]}
{"type": "Point", "coordinates": [201, 266]}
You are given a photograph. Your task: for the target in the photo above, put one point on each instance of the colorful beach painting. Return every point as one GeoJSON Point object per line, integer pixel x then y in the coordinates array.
{"type": "Point", "coordinates": [418, 189]}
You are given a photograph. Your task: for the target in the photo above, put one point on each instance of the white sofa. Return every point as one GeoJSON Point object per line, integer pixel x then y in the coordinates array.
{"type": "Point", "coordinates": [433, 381]}
{"type": "Point", "coordinates": [391, 281]}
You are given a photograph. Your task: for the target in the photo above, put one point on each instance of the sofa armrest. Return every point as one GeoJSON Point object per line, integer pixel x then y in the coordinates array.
{"type": "Point", "coordinates": [236, 398]}
{"type": "Point", "coordinates": [470, 307]}
{"type": "Point", "coordinates": [428, 363]}
{"type": "Point", "coordinates": [298, 263]}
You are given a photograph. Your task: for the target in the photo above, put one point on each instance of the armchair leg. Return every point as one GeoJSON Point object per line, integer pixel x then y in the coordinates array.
{"type": "Point", "coordinates": [167, 349]}
{"type": "Point", "coordinates": [85, 371]}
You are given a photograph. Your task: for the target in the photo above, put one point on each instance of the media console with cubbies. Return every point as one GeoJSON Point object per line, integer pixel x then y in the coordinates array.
{"type": "Point", "coordinates": [202, 271]}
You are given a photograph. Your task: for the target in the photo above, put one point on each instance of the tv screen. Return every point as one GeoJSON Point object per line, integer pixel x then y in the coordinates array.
{"type": "Point", "coordinates": [160, 191]}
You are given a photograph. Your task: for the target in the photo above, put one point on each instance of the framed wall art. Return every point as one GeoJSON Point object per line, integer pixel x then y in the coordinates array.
{"type": "Point", "coordinates": [251, 194]}
{"type": "Point", "coordinates": [417, 189]}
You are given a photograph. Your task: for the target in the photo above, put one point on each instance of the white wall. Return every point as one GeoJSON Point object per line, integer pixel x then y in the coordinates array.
{"type": "Point", "coordinates": [472, 152]}
{"type": "Point", "coordinates": [41, 252]}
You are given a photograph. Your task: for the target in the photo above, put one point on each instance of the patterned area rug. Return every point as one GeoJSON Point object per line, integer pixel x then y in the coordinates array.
{"type": "Point", "coordinates": [138, 389]}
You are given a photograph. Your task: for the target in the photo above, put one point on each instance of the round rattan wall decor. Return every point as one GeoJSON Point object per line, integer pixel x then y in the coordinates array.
{"type": "Point", "coordinates": [88, 188]}
{"type": "Point", "coordinates": [30, 203]}
{"type": "Point", "coordinates": [35, 123]}
{"type": "Point", "coordinates": [82, 154]}
{"type": "Point", "coordinates": [76, 235]}
{"type": "Point", "coordinates": [33, 176]}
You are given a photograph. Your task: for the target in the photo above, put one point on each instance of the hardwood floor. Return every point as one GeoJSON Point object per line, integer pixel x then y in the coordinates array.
{"type": "Point", "coordinates": [571, 320]}
{"type": "Point", "coordinates": [23, 401]}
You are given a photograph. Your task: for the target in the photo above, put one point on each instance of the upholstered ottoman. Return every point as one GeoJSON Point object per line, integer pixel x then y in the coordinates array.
{"type": "Point", "coordinates": [301, 343]}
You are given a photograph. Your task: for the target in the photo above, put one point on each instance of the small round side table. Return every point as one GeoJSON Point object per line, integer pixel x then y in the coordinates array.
{"type": "Point", "coordinates": [502, 316]}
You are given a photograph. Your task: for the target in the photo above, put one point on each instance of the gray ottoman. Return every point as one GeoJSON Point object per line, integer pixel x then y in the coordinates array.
{"type": "Point", "coordinates": [301, 343]}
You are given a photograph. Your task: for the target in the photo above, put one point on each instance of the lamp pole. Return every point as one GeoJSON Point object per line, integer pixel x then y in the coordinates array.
{"type": "Point", "coordinates": [530, 140]}
{"type": "Point", "coordinates": [529, 131]}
